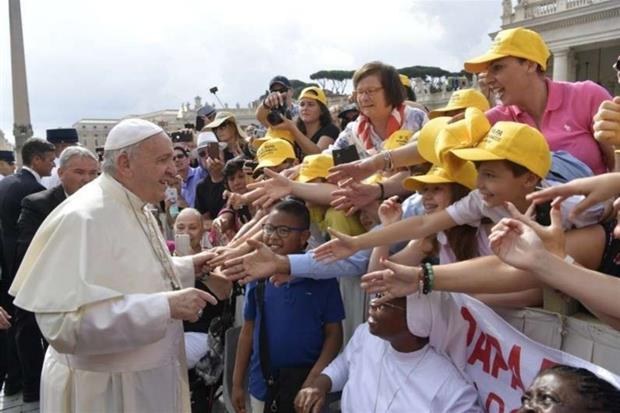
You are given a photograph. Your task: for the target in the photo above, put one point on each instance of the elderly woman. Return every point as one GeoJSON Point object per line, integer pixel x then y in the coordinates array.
{"type": "Point", "coordinates": [313, 131]}
{"type": "Point", "coordinates": [380, 98]}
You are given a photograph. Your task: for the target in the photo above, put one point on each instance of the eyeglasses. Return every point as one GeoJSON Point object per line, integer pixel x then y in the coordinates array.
{"type": "Point", "coordinates": [179, 157]}
{"type": "Point", "coordinates": [283, 231]}
{"type": "Point", "coordinates": [371, 91]}
{"type": "Point", "coordinates": [373, 303]}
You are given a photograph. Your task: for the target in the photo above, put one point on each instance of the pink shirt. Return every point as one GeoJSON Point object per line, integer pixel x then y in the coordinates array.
{"type": "Point", "coordinates": [567, 120]}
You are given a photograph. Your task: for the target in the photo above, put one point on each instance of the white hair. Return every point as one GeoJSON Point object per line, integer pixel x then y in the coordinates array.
{"type": "Point", "coordinates": [72, 151]}
{"type": "Point", "coordinates": [111, 157]}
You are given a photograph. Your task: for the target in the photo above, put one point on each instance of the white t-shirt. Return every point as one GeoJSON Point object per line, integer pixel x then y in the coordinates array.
{"type": "Point", "coordinates": [374, 377]}
{"type": "Point", "coordinates": [471, 209]}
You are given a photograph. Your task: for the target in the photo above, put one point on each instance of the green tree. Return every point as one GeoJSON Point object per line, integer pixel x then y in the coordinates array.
{"type": "Point", "coordinates": [335, 81]}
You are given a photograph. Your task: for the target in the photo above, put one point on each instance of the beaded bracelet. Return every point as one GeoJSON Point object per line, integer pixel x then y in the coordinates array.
{"type": "Point", "coordinates": [427, 271]}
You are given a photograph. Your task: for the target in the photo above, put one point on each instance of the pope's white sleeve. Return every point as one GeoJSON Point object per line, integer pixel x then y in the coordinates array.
{"type": "Point", "coordinates": [109, 326]}
{"type": "Point", "coordinates": [184, 268]}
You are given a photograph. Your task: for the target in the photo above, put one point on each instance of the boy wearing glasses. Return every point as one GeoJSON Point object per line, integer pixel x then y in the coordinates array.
{"type": "Point", "coordinates": [301, 320]}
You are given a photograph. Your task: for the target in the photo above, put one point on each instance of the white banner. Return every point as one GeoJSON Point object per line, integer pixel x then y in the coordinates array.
{"type": "Point", "coordinates": [500, 360]}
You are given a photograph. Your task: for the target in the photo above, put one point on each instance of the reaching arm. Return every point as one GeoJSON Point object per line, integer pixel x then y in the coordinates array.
{"type": "Point", "coordinates": [342, 246]}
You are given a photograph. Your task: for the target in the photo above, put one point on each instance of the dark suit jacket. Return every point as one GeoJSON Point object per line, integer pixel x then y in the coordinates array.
{"type": "Point", "coordinates": [13, 189]}
{"type": "Point", "coordinates": [35, 208]}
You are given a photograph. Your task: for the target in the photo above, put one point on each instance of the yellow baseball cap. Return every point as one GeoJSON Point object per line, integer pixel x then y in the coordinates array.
{"type": "Point", "coordinates": [426, 138]}
{"type": "Point", "coordinates": [405, 80]}
{"type": "Point", "coordinates": [314, 92]}
{"type": "Point", "coordinates": [315, 166]}
{"type": "Point", "coordinates": [462, 99]}
{"type": "Point", "coordinates": [518, 42]}
{"type": "Point", "coordinates": [438, 175]}
{"type": "Point", "coordinates": [273, 153]}
{"type": "Point", "coordinates": [397, 139]}
{"type": "Point", "coordinates": [515, 142]}
{"type": "Point", "coordinates": [465, 133]}
{"type": "Point", "coordinates": [274, 134]}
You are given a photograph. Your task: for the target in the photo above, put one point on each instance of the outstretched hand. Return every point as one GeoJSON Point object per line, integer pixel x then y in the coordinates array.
{"type": "Point", "coordinates": [356, 170]}
{"type": "Point", "coordinates": [518, 241]}
{"type": "Point", "coordinates": [339, 247]}
{"type": "Point", "coordinates": [258, 264]}
{"type": "Point", "coordinates": [267, 192]}
{"type": "Point", "coordinates": [352, 196]}
{"type": "Point", "coordinates": [596, 189]}
{"type": "Point", "coordinates": [396, 280]}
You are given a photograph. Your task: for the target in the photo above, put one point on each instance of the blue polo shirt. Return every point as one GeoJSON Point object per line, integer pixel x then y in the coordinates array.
{"type": "Point", "coordinates": [296, 314]}
{"type": "Point", "coordinates": [188, 189]}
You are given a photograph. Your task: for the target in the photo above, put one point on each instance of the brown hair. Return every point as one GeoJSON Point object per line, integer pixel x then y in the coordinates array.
{"type": "Point", "coordinates": [462, 238]}
{"type": "Point", "coordinates": [390, 81]}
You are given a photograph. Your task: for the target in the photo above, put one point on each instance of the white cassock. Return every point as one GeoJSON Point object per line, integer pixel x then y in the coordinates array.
{"type": "Point", "coordinates": [95, 275]}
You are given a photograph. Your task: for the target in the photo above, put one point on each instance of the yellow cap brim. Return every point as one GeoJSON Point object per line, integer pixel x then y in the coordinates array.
{"type": "Point", "coordinates": [440, 111]}
{"type": "Point", "coordinates": [269, 163]}
{"type": "Point", "coordinates": [481, 63]}
{"type": "Point", "coordinates": [476, 155]}
{"type": "Point", "coordinates": [415, 183]}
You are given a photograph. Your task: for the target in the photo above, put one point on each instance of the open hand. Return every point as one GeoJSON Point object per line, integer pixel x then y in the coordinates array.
{"type": "Point", "coordinates": [309, 400]}
{"type": "Point", "coordinates": [396, 280]}
{"type": "Point", "coordinates": [390, 211]}
{"type": "Point", "coordinates": [258, 264]}
{"type": "Point", "coordinates": [356, 170]}
{"type": "Point", "coordinates": [339, 247]}
{"type": "Point", "coordinates": [269, 191]}
{"type": "Point", "coordinates": [352, 195]}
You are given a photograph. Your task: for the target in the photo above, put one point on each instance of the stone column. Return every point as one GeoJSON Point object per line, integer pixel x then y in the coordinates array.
{"type": "Point", "coordinates": [560, 64]}
{"type": "Point", "coordinates": [22, 129]}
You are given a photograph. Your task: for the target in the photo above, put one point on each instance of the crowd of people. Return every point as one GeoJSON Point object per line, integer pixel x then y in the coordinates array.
{"type": "Point", "coordinates": [332, 231]}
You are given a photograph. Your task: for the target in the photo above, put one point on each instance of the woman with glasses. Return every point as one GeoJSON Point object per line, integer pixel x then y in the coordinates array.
{"type": "Point", "coordinates": [381, 101]}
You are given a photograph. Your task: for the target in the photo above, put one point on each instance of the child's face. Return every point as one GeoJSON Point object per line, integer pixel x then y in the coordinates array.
{"type": "Point", "coordinates": [282, 233]}
{"type": "Point", "coordinates": [237, 183]}
{"type": "Point", "coordinates": [498, 184]}
{"type": "Point", "coordinates": [435, 197]}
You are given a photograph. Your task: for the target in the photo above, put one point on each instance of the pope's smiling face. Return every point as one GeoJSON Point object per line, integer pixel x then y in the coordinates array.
{"type": "Point", "coordinates": [151, 167]}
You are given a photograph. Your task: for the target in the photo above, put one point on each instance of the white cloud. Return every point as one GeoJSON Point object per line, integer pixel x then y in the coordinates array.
{"type": "Point", "coordinates": [109, 59]}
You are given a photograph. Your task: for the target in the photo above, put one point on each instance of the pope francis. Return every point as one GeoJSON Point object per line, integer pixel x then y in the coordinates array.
{"type": "Point", "coordinates": [106, 293]}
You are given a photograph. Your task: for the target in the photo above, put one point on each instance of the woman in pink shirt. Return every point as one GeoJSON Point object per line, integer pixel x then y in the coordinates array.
{"type": "Point", "coordinates": [514, 72]}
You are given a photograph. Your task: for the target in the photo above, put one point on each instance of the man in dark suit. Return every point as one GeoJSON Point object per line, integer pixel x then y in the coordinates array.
{"type": "Point", "coordinates": [38, 160]}
{"type": "Point", "coordinates": [77, 166]}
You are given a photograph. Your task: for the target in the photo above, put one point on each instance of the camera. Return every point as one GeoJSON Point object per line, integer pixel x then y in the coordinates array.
{"type": "Point", "coordinates": [277, 114]}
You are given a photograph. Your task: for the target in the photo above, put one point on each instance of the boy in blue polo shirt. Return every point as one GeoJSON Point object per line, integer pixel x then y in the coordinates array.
{"type": "Point", "coordinates": [302, 319]}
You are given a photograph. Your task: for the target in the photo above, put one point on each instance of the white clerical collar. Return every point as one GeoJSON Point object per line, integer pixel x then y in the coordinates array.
{"type": "Point", "coordinates": [121, 192]}
{"type": "Point", "coordinates": [409, 356]}
{"type": "Point", "coordinates": [34, 173]}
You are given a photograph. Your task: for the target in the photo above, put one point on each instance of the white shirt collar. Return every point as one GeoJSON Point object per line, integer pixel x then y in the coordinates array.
{"type": "Point", "coordinates": [34, 173]}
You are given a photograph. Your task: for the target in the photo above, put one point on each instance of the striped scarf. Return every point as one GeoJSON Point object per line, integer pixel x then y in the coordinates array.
{"type": "Point", "coordinates": [395, 121]}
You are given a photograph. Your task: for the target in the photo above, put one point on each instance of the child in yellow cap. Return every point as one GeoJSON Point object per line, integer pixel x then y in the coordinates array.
{"type": "Point", "coordinates": [512, 160]}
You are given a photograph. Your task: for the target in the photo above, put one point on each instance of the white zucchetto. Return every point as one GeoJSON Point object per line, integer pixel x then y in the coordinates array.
{"type": "Point", "coordinates": [128, 132]}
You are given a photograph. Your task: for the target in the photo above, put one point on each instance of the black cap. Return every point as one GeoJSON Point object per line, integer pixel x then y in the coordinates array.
{"type": "Point", "coordinates": [207, 110]}
{"type": "Point", "coordinates": [7, 156]}
{"type": "Point", "coordinates": [62, 135]}
{"type": "Point", "coordinates": [351, 107]}
{"type": "Point", "coordinates": [281, 80]}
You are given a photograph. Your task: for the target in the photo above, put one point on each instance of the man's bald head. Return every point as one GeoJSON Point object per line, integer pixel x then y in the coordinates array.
{"type": "Point", "coordinates": [189, 221]}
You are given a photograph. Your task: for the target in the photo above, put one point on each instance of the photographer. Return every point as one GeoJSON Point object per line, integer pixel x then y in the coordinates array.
{"type": "Point", "coordinates": [313, 130]}
{"type": "Point", "coordinates": [280, 95]}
